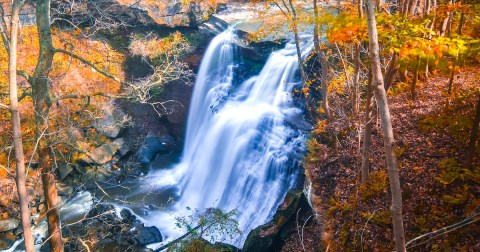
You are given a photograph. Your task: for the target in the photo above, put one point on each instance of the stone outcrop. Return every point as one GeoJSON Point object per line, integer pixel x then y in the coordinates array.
{"type": "Point", "coordinates": [265, 237]}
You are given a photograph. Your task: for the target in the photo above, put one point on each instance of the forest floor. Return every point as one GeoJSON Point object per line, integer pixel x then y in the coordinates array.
{"type": "Point", "coordinates": [431, 143]}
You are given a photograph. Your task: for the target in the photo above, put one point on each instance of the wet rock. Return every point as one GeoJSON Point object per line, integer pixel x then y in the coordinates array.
{"type": "Point", "coordinates": [101, 209]}
{"type": "Point", "coordinates": [7, 240]}
{"type": "Point", "coordinates": [127, 216]}
{"type": "Point", "coordinates": [176, 113]}
{"type": "Point", "coordinates": [99, 173]}
{"type": "Point", "coordinates": [266, 236]}
{"type": "Point", "coordinates": [221, 247]}
{"type": "Point", "coordinates": [148, 235]}
{"type": "Point", "coordinates": [153, 145]}
{"type": "Point", "coordinates": [64, 170]}
{"type": "Point", "coordinates": [8, 224]}
{"type": "Point", "coordinates": [63, 189]}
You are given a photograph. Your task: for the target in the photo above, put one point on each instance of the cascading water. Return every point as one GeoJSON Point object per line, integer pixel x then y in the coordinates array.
{"type": "Point", "coordinates": [242, 146]}
{"type": "Point", "coordinates": [239, 151]}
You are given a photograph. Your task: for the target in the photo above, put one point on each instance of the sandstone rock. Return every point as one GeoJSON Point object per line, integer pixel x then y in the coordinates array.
{"type": "Point", "coordinates": [113, 121]}
{"type": "Point", "coordinates": [8, 224]}
{"type": "Point", "coordinates": [64, 170]}
{"type": "Point", "coordinates": [105, 152]}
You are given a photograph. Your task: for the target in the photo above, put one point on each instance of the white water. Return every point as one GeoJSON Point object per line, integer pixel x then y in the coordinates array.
{"type": "Point", "coordinates": [240, 152]}
{"type": "Point", "coordinates": [238, 149]}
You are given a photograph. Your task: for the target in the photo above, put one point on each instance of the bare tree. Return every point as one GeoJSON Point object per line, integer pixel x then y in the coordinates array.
{"type": "Point", "coordinates": [387, 130]}
{"type": "Point", "coordinates": [11, 46]}
{"type": "Point", "coordinates": [367, 131]}
{"type": "Point", "coordinates": [45, 100]}
{"type": "Point", "coordinates": [473, 135]}
{"type": "Point", "coordinates": [323, 62]}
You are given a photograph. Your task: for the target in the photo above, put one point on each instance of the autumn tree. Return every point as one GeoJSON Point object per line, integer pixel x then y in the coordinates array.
{"type": "Point", "coordinates": [387, 130]}
{"type": "Point", "coordinates": [10, 43]}
{"type": "Point", "coordinates": [323, 61]}
{"type": "Point", "coordinates": [58, 59]}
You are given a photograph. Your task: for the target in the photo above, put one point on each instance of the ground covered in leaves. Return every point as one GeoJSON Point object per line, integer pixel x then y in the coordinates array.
{"type": "Point", "coordinates": [440, 195]}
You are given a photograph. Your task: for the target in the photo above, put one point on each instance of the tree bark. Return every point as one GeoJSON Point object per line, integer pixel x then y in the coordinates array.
{"type": "Point", "coordinates": [367, 133]}
{"type": "Point", "coordinates": [415, 80]}
{"type": "Point", "coordinates": [297, 42]}
{"type": "Point", "coordinates": [42, 103]}
{"type": "Point", "coordinates": [323, 62]}
{"type": "Point", "coordinates": [387, 130]}
{"type": "Point", "coordinates": [16, 128]}
{"type": "Point", "coordinates": [392, 72]}
{"type": "Point", "coordinates": [356, 72]}
{"type": "Point", "coordinates": [473, 136]}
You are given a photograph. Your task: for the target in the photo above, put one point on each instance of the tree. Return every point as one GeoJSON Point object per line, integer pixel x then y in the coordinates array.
{"type": "Point", "coordinates": [11, 46]}
{"type": "Point", "coordinates": [48, 94]}
{"type": "Point", "coordinates": [367, 131]}
{"type": "Point", "coordinates": [323, 62]}
{"type": "Point", "coordinates": [473, 135]}
{"type": "Point", "coordinates": [387, 130]}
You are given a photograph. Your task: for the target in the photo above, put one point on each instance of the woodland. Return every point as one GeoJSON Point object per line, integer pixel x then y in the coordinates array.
{"type": "Point", "coordinates": [94, 93]}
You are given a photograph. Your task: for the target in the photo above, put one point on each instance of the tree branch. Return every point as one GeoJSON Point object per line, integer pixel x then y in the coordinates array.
{"type": "Point", "coordinates": [3, 29]}
{"type": "Point", "coordinates": [3, 106]}
{"type": "Point", "coordinates": [469, 220]}
{"type": "Point", "coordinates": [106, 74]}
{"type": "Point", "coordinates": [25, 75]}
{"type": "Point", "coordinates": [77, 96]}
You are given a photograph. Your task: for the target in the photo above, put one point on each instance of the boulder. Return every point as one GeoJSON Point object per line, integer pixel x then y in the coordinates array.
{"type": "Point", "coordinates": [105, 152]}
{"type": "Point", "coordinates": [127, 216]}
{"type": "Point", "coordinates": [272, 233]}
{"type": "Point", "coordinates": [148, 235]}
{"type": "Point", "coordinates": [64, 170]}
{"type": "Point", "coordinates": [98, 173]}
{"type": "Point", "coordinates": [124, 147]}
{"type": "Point", "coordinates": [6, 241]}
{"type": "Point", "coordinates": [8, 224]}
{"type": "Point", "coordinates": [153, 145]}
{"type": "Point", "coordinates": [63, 189]}
{"type": "Point", "coordinates": [113, 121]}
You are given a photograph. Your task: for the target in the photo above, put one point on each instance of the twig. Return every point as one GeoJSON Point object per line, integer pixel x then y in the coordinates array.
{"type": "Point", "coordinates": [365, 226]}
{"type": "Point", "coordinates": [304, 223]}
{"type": "Point", "coordinates": [467, 221]}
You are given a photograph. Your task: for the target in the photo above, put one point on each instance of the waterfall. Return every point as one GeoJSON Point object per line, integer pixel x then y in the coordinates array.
{"type": "Point", "coordinates": [240, 151]}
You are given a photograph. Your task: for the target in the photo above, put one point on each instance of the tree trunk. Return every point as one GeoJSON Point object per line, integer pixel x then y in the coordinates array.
{"type": "Point", "coordinates": [356, 72]}
{"type": "Point", "coordinates": [297, 43]}
{"type": "Point", "coordinates": [415, 80]}
{"type": "Point", "coordinates": [42, 103]}
{"type": "Point", "coordinates": [17, 133]}
{"type": "Point", "coordinates": [323, 62]}
{"type": "Point", "coordinates": [392, 72]}
{"type": "Point", "coordinates": [367, 133]}
{"type": "Point", "coordinates": [473, 136]}
{"type": "Point", "coordinates": [412, 8]}
{"type": "Point", "coordinates": [387, 130]}
{"type": "Point", "coordinates": [446, 22]}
